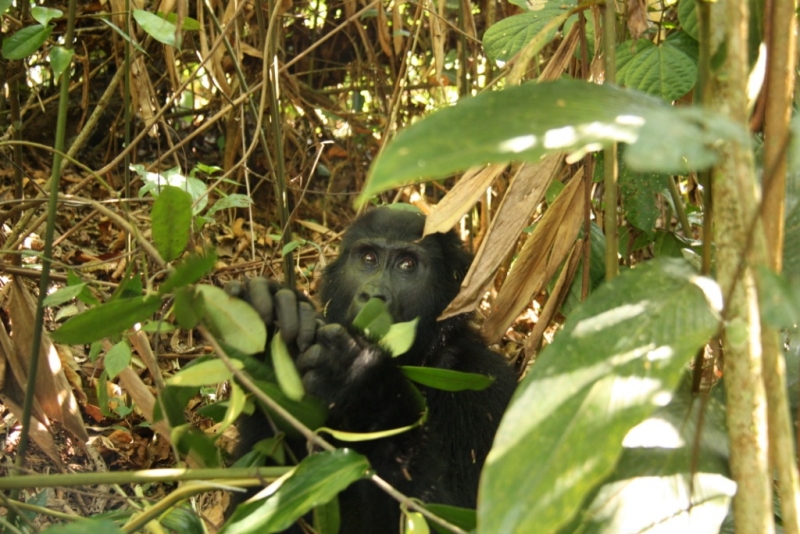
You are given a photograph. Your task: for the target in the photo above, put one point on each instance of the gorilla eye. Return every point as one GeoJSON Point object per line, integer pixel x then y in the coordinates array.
{"type": "Point", "coordinates": [407, 264]}
{"type": "Point", "coordinates": [369, 258]}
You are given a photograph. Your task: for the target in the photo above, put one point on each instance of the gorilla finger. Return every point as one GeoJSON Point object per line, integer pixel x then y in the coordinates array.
{"type": "Point", "coordinates": [260, 298]}
{"type": "Point", "coordinates": [335, 336]}
{"type": "Point", "coordinates": [234, 288]}
{"type": "Point", "coordinates": [287, 314]}
{"type": "Point", "coordinates": [308, 325]}
{"type": "Point", "coordinates": [311, 358]}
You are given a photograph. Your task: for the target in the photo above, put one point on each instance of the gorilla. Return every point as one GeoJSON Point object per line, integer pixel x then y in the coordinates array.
{"type": "Point", "coordinates": [384, 256]}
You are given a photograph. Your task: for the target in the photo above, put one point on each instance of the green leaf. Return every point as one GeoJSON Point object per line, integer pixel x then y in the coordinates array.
{"type": "Point", "coordinates": [779, 301]}
{"type": "Point", "coordinates": [189, 307]}
{"type": "Point", "coordinates": [618, 357]}
{"type": "Point", "coordinates": [82, 526]}
{"type": "Point", "coordinates": [374, 319]}
{"type": "Point", "coordinates": [26, 41]}
{"type": "Point", "coordinates": [236, 404]}
{"type": "Point", "coordinates": [680, 455]}
{"type": "Point", "coordinates": [231, 201]}
{"type": "Point", "coordinates": [316, 480]}
{"type": "Point", "coordinates": [172, 219]}
{"type": "Point", "coordinates": [460, 517]}
{"type": "Point", "coordinates": [117, 359]}
{"type": "Point", "coordinates": [415, 523]}
{"type": "Point", "coordinates": [503, 40]}
{"type": "Point", "coordinates": [207, 373]}
{"type": "Point", "coordinates": [60, 59]}
{"type": "Point", "coordinates": [233, 321]}
{"type": "Point", "coordinates": [400, 337]}
{"type": "Point", "coordinates": [64, 294]}
{"type": "Point", "coordinates": [126, 37]}
{"type": "Point", "coordinates": [43, 15]}
{"type": "Point", "coordinates": [187, 438]}
{"type": "Point", "coordinates": [109, 319]}
{"type": "Point", "coordinates": [638, 192]}
{"type": "Point", "coordinates": [189, 24]}
{"type": "Point", "coordinates": [155, 182]}
{"type": "Point", "coordinates": [285, 370]}
{"type": "Point", "coordinates": [687, 15]}
{"type": "Point", "coordinates": [4, 5]}
{"type": "Point", "coordinates": [189, 271]}
{"type": "Point", "coordinates": [663, 71]}
{"type": "Point", "coordinates": [156, 27]}
{"type": "Point", "coordinates": [446, 379]}
{"type": "Point", "coordinates": [509, 125]}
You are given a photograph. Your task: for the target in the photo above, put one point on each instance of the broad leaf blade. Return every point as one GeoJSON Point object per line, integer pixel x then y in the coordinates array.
{"type": "Point", "coordinates": [619, 356]}
{"type": "Point", "coordinates": [171, 218]}
{"type": "Point", "coordinates": [446, 379]}
{"type": "Point", "coordinates": [316, 480]}
{"type": "Point", "coordinates": [510, 125]}
{"type": "Point", "coordinates": [106, 320]}
{"type": "Point", "coordinates": [233, 321]}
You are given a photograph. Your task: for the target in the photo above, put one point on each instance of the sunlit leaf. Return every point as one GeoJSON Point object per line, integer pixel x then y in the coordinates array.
{"type": "Point", "coordinates": [415, 523]}
{"type": "Point", "coordinates": [285, 370]}
{"type": "Point", "coordinates": [159, 29]}
{"type": "Point", "coordinates": [508, 36]}
{"type": "Point", "coordinates": [400, 337]}
{"type": "Point", "coordinates": [662, 70]}
{"type": "Point", "coordinates": [189, 271]}
{"type": "Point", "coordinates": [172, 219]}
{"type": "Point", "coordinates": [43, 15]}
{"type": "Point", "coordinates": [233, 321]}
{"type": "Point", "coordinates": [117, 358]}
{"type": "Point", "coordinates": [317, 480]}
{"type": "Point", "coordinates": [60, 59]}
{"type": "Point", "coordinates": [64, 294]}
{"type": "Point", "coordinates": [374, 319]}
{"type": "Point", "coordinates": [109, 319]}
{"type": "Point", "coordinates": [207, 373]}
{"type": "Point", "coordinates": [510, 125]}
{"type": "Point", "coordinates": [446, 379]}
{"type": "Point", "coordinates": [26, 41]}
{"type": "Point", "coordinates": [619, 356]}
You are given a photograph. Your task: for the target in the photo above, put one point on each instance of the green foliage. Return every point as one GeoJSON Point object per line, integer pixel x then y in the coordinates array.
{"type": "Point", "coordinates": [207, 373]}
{"type": "Point", "coordinates": [460, 517]}
{"type": "Point", "coordinates": [316, 480]}
{"type": "Point", "coordinates": [106, 320]}
{"type": "Point", "coordinates": [117, 358]}
{"type": "Point", "coordinates": [172, 219]}
{"type": "Point", "coordinates": [82, 526]}
{"type": "Point", "coordinates": [661, 70]}
{"type": "Point", "coordinates": [508, 125]}
{"type": "Point", "coordinates": [285, 370]}
{"type": "Point", "coordinates": [160, 28]}
{"type": "Point", "coordinates": [189, 271]}
{"type": "Point", "coordinates": [504, 40]}
{"type": "Point", "coordinates": [446, 379]}
{"type": "Point", "coordinates": [25, 42]}
{"type": "Point", "coordinates": [233, 321]}
{"type": "Point", "coordinates": [637, 191]}
{"type": "Point", "coordinates": [374, 319]}
{"type": "Point", "coordinates": [619, 357]}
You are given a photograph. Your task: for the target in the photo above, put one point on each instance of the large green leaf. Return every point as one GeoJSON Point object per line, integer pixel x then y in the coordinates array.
{"type": "Point", "coordinates": [619, 357]}
{"type": "Point", "coordinates": [638, 192]}
{"type": "Point", "coordinates": [109, 319]}
{"type": "Point", "coordinates": [524, 122]}
{"type": "Point", "coordinates": [316, 481]}
{"type": "Point", "coordinates": [664, 70]}
{"type": "Point", "coordinates": [26, 41]}
{"type": "Point", "coordinates": [171, 218]}
{"type": "Point", "coordinates": [503, 40]}
{"type": "Point", "coordinates": [673, 473]}
{"type": "Point", "coordinates": [233, 321]}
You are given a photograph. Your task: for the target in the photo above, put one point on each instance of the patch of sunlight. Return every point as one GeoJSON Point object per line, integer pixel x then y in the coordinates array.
{"type": "Point", "coordinates": [710, 290]}
{"type": "Point", "coordinates": [517, 144]}
{"type": "Point", "coordinates": [632, 391]}
{"type": "Point", "coordinates": [609, 318]}
{"type": "Point", "coordinates": [654, 432]}
{"type": "Point", "coordinates": [663, 505]}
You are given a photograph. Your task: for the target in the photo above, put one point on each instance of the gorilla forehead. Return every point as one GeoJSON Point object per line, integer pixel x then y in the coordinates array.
{"type": "Point", "coordinates": [387, 224]}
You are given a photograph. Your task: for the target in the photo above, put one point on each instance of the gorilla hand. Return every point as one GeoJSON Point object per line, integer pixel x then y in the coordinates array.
{"type": "Point", "coordinates": [358, 381]}
{"type": "Point", "coordinates": [279, 307]}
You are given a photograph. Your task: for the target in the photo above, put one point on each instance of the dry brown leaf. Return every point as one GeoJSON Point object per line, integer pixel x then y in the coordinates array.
{"type": "Point", "coordinates": [12, 396]}
{"type": "Point", "coordinates": [638, 23]}
{"type": "Point", "coordinates": [383, 32]}
{"type": "Point", "coordinates": [397, 29]}
{"type": "Point", "coordinates": [563, 55]}
{"type": "Point", "coordinates": [52, 389]}
{"type": "Point", "coordinates": [315, 227]}
{"type": "Point", "coordinates": [438, 37]}
{"type": "Point", "coordinates": [460, 199]}
{"type": "Point", "coordinates": [142, 94]}
{"type": "Point", "coordinates": [524, 194]}
{"type": "Point", "coordinates": [540, 257]}
{"type": "Point", "coordinates": [557, 296]}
